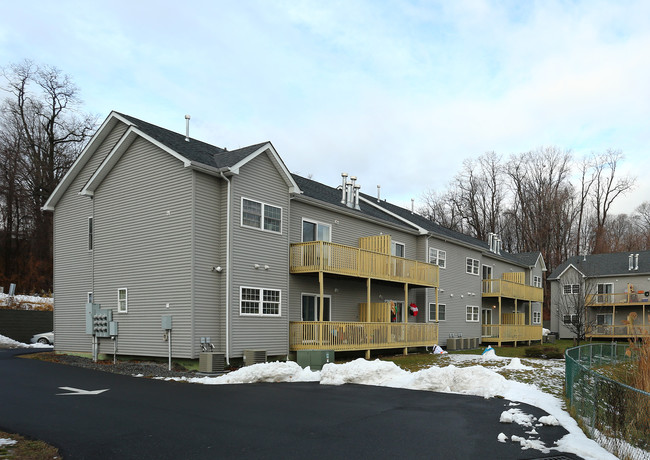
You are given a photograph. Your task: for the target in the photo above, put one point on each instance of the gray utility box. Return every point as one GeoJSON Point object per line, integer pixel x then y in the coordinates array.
{"type": "Point", "coordinates": [452, 344]}
{"type": "Point", "coordinates": [211, 363]}
{"type": "Point", "coordinates": [315, 359]}
{"type": "Point", "coordinates": [254, 357]}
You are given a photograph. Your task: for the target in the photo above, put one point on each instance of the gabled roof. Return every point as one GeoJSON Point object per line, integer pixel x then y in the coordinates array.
{"type": "Point", "coordinates": [601, 265]}
{"type": "Point", "coordinates": [193, 153]}
{"type": "Point", "coordinates": [530, 258]}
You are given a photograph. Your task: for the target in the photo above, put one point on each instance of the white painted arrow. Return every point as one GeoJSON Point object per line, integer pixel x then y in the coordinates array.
{"type": "Point", "coordinates": [78, 391]}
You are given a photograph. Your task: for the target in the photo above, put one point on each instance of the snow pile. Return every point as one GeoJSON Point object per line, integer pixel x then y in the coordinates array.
{"type": "Point", "coordinates": [518, 417]}
{"type": "Point", "coordinates": [28, 302]}
{"type": "Point", "coordinates": [549, 420]}
{"type": "Point", "coordinates": [260, 373]}
{"type": "Point", "coordinates": [7, 442]}
{"type": "Point", "coordinates": [515, 365]}
{"type": "Point", "coordinates": [6, 342]}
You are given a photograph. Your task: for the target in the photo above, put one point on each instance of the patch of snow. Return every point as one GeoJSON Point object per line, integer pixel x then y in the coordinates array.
{"type": "Point", "coordinates": [11, 343]}
{"type": "Point", "coordinates": [530, 444]}
{"type": "Point", "coordinates": [549, 420]}
{"type": "Point", "coordinates": [7, 442]}
{"type": "Point", "coordinates": [502, 437]}
{"type": "Point", "coordinates": [518, 417]}
{"type": "Point", "coordinates": [515, 365]}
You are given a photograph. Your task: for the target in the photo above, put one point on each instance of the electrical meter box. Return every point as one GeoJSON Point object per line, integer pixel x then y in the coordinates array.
{"type": "Point", "coordinates": [97, 320]}
{"type": "Point", "coordinates": [167, 322]}
{"type": "Point", "coordinates": [112, 328]}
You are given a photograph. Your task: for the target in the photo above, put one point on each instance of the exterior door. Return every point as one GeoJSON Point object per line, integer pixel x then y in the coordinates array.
{"type": "Point", "coordinates": [311, 307]}
{"type": "Point", "coordinates": [604, 291]}
{"type": "Point", "coordinates": [486, 321]}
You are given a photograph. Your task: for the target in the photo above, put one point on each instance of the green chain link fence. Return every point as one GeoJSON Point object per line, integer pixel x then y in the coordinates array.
{"type": "Point", "coordinates": [616, 415]}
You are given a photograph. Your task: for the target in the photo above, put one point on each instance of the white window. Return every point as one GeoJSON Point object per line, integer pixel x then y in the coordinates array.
{"type": "Point", "coordinates": [90, 297]}
{"type": "Point", "coordinates": [571, 289]}
{"type": "Point", "coordinates": [472, 266]}
{"type": "Point", "coordinates": [438, 257]}
{"type": "Point", "coordinates": [472, 314]}
{"type": "Point", "coordinates": [259, 302]}
{"type": "Point", "coordinates": [487, 272]}
{"type": "Point", "coordinates": [122, 300]}
{"type": "Point", "coordinates": [398, 249]}
{"type": "Point", "coordinates": [315, 231]}
{"type": "Point", "coordinates": [604, 319]}
{"type": "Point", "coordinates": [537, 317]}
{"type": "Point", "coordinates": [537, 281]}
{"type": "Point", "coordinates": [311, 307]}
{"type": "Point", "coordinates": [90, 233]}
{"type": "Point", "coordinates": [570, 319]}
{"type": "Point", "coordinates": [442, 312]}
{"type": "Point", "coordinates": [261, 215]}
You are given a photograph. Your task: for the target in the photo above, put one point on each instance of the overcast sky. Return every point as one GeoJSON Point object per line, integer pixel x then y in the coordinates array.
{"type": "Point", "coordinates": [397, 93]}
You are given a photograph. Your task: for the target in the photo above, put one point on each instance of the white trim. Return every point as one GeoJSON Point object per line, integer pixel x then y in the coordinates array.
{"type": "Point", "coordinates": [477, 266]}
{"type": "Point", "coordinates": [89, 297]}
{"type": "Point", "coordinates": [438, 258]}
{"type": "Point", "coordinates": [537, 317]}
{"type": "Point", "coordinates": [475, 310]}
{"type": "Point", "coordinates": [126, 300]}
{"type": "Point", "coordinates": [317, 223]}
{"type": "Point", "coordinates": [394, 244]}
{"type": "Point", "coordinates": [263, 207]}
{"type": "Point", "coordinates": [482, 269]}
{"type": "Point", "coordinates": [293, 186]}
{"type": "Point", "coordinates": [83, 158]}
{"type": "Point", "coordinates": [91, 234]}
{"type": "Point", "coordinates": [316, 305]}
{"type": "Point", "coordinates": [563, 271]}
{"type": "Point", "coordinates": [406, 221]}
{"type": "Point", "coordinates": [260, 302]}
{"type": "Point", "coordinates": [433, 304]}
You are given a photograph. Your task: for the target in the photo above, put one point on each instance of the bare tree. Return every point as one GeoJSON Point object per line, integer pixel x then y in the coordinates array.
{"type": "Point", "coordinates": [43, 131]}
{"type": "Point", "coordinates": [607, 187]}
{"type": "Point", "coordinates": [576, 297]}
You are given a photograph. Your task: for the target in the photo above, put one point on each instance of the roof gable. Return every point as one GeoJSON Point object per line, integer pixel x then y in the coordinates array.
{"type": "Point", "coordinates": [601, 265]}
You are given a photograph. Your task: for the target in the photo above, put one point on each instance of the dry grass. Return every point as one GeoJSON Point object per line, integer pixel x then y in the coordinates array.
{"type": "Point", "coordinates": [26, 449]}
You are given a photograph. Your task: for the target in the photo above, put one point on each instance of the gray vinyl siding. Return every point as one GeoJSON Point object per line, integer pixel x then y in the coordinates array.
{"type": "Point", "coordinates": [143, 242]}
{"type": "Point", "coordinates": [208, 287]}
{"type": "Point", "coordinates": [72, 259]}
{"type": "Point", "coordinates": [347, 229]}
{"type": "Point", "coordinates": [259, 180]}
{"type": "Point", "coordinates": [455, 284]}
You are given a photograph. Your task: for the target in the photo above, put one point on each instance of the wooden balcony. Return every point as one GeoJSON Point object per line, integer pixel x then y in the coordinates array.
{"type": "Point", "coordinates": [350, 336]}
{"type": "Point", "coordinates": [511, 289]}
{"type": "Point", "coordinates": [625, 298]}
{"type": "Point", "coordinates": [499, 333]}
{"type": "Point", "coordinates": [617, 332]}
{"type": "Point", "coordinates": [325, 257]}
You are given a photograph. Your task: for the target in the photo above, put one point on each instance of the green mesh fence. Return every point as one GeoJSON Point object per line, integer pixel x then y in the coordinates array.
{"type": "Point", "coordinates": [616, 415]}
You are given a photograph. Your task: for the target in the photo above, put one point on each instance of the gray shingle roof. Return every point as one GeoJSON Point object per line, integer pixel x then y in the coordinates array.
{"type": "Point", "coordinates": [194, 150]}
{"type": "Point", "coordinates": [597, 265]}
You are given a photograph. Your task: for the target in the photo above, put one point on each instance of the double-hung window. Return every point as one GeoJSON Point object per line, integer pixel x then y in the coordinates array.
{"type": "Point", "coordinates": [442, 312]}
{"type": "Point", "coordinates": [122, 300]}
{"type": "Point", "coordinates": [259, 302]}
{"type": "Point", "coordinates": [570, 319]}
{"type": "Point", "coordinates": [398, 249]}
{"type": "Point", "coordinates": [438, 257]}
{"type": "Point", "coordinates": [472, 266]}
{"type": "Point", "coordinates": [537, 317]}
{"type": "Point", "coordinates": [537, 281]}
{"type": "Point", "coordinates": [260, 215]}
{"type": "Point", "coordinates": [472, 314]}
{"type": "Point", "coordinates": [571, 289]}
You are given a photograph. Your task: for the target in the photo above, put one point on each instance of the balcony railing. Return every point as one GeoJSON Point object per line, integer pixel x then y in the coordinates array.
{"type": "Point", "coordinates": [616, 299]}
{"type": "Point", "coordinates": [623, 331]}
{"type": "Point", "coordinates": [338, 336]}
{"type": "Point", "coordinates": [317, 256]}
{"type": "Point", "coordinates": [497, 333]}
{"type": "Point", "coordinates": [504, 288]}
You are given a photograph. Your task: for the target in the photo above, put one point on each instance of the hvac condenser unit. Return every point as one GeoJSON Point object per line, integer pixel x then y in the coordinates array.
{"type": "Point", "coordinates": [254, 357]}
{"type": "Point", "coordinates": [211, 363]}
{"type": "Point", "coordinates": [452, 344]}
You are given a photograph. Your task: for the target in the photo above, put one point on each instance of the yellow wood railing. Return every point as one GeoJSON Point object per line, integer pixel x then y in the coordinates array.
{"type": "Point", "coordinates": [505, 288]}
{"type": "Point", "coordinates": [618, 331]}
{"type": "Point", "coordinates": [510, 333]}
{"type": "Point", "coordinates": [316, 256]}
{"type": "Point", "coordinates": [338, 335]}
{"type": "Point", "coordinates": [615, 299]}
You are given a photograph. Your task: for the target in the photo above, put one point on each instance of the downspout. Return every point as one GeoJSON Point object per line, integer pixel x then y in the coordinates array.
{"type": "Point", "coordinates": [228, 271]}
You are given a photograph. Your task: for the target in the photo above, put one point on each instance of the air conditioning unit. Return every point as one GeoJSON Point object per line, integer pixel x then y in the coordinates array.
{"type": "Point", "coordinates": [254, 357]}
{"type": "Point", "coordinates": [452, 344]}
{"type": "Point", "coordinates": [466, 343]}
{"type": "Point", "coordinates": [211, 363]}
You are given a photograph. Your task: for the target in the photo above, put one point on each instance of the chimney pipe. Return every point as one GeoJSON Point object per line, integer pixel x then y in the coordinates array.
{"type": "Point", "coordinates": [356, 197]}
{"type": "Point", "coordinates": [344, 188]}
{"type": "Point", "coordinates": [378, 193]}
{"type": "Point", "coordinates": [351, 184]}
{"type": "Point", "coordinates": [636, 261]}
{"type": "Point", "coordinates": [187, 128]}
{"type": "Point", "coordinates": [412, 205]}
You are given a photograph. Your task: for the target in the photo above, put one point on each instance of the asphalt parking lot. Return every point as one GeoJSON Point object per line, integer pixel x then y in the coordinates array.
{"type": "Point", "coordinates": [97, 415]}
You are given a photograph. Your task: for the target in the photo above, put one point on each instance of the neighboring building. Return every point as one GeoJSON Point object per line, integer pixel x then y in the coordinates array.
{"type": "Point", "coordinates": [600, 291]}
{"type": "Point", "coordinates": [150, 223]}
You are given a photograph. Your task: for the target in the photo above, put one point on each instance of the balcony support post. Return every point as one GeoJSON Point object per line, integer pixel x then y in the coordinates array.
{"type": "Point", "coordinates": [500, 323]}
{"type": "Point", "coordinates": [368, 299]}
{"type": "Point", "coordinates": [321, 305]}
